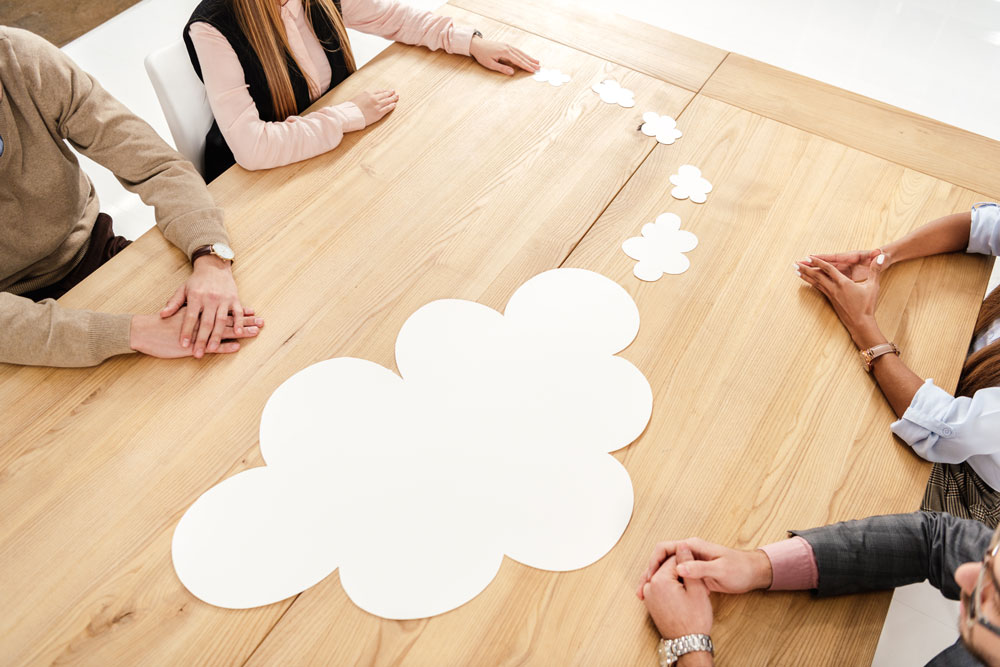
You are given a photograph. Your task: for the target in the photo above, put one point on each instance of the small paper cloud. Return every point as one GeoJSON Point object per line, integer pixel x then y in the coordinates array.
{"type": "Point", "coordinates": [664, 128]}
{"type": "Point", "coordinates": [612, 93]}
{"type": "Point", "coordinates": [492, 440]}
{"type": "Point", "coordinates": [689, 183]}
{"type": "Point", "coordinates": [551, 76]}
{"type": "Point", "coordinates": [661, 248]}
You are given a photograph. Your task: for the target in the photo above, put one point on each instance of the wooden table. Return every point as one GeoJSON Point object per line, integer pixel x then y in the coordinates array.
{"type": "Point", "coordinates": [763, 419]}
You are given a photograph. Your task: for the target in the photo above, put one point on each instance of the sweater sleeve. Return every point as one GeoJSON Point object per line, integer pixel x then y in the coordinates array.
{"type": "Point", "coordinates": [103, 129]}
{"type": "Point", "coordinates": [45, 334]}
{"type": "Point", "coordinates": [402, 23]}
{"type": "Point", "coordinates": [257, 144]}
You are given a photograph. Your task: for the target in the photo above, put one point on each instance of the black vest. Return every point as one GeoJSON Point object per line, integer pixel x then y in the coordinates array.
{"type": "Point", "coordinates": [219, 14]}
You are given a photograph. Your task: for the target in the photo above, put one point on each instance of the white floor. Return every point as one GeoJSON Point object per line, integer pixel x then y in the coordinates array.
{"type": "Point", "coordinates": [931, 57]}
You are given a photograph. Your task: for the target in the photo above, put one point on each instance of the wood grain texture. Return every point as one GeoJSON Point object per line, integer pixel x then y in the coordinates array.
{"type": "Point", "coordinates": [639, 46]}
{"type": "Point", "coordinates": [763, 418]}
{"type": "Point", "coordinates": [917, 142]}
{"type": "Point", "coordinates": [60, 21]}
{"type": "Point", "coordinates": [474, 184]}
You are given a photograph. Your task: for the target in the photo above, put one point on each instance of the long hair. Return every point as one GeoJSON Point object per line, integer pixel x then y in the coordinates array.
{"type": "Point", "coordinates": [982, 369]}
{"type": "Point", "coordinates": [260, 21]}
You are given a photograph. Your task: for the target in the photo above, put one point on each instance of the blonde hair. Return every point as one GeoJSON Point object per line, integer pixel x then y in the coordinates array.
{"type": "Point", "coordinates": [261, 22]}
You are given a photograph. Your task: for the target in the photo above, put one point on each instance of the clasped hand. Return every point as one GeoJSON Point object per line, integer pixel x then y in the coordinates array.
{"type": "Point", "coordinates": [676, 584]}
{"type": "Point", "coordinates": [203, 316]}
{"type": "Point", "coordinates": [850, 282]}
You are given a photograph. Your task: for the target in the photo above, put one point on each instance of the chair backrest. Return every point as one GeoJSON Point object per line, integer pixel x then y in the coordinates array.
{"type": "Point", "coordinates": [183, 98]}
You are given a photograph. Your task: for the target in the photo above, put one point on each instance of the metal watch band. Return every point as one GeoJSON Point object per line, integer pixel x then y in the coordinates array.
{"type": "Point", "coordinates": [476, 33]}
{"type": "Point", "coordinates": [869, 356]}
{"type": "Point", "coordinates": [670, 650]}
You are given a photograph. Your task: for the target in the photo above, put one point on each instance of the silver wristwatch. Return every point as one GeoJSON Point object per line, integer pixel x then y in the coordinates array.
{"type": "Point", "coordinates": [670, 650]}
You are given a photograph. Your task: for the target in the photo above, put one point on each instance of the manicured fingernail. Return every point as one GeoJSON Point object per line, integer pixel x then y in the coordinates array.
{"type": "Point", "coordinates": [186, 342]}
{"type": "Point", "coordinates": [238, 330]}
{"type": "Point", "coordinates": [798, 273]}
{"type": "Point", "coordinates": [258, 321]}
{"type": "Point", "coordinates": [881, 259]}
{"type": "Point", "coordinates": [253, 331]}
{"type": "Point", "coordinates": [807, 260]}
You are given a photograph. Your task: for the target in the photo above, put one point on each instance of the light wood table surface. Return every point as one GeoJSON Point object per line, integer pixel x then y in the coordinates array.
{"type": "Point", "coordinates": [763, 419]}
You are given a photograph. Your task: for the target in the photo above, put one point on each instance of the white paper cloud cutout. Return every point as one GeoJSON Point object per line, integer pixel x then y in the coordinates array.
{"type": "Point", "coordinates": [689, 183]}
{"type": "Point", "coordinates": [664, 128]}
{"type": "Point", "coordinates": [612, 93]}
{"type": "Point", "coordinates": [493, 440]}
{"type": "Point", "coordinates": [551, 76]}
{"type": "Point", "coordinates": [661, 248]}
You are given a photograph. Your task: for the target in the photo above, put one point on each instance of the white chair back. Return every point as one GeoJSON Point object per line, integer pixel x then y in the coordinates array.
{"type": "Point", "coordinates": [183, 98]}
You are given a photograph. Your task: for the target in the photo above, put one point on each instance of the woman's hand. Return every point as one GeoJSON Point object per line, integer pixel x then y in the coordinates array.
{"type": "Point", "coordinates": [723, 570]}
{"type": "Point", "coordinates": [853, 302]}
{"type": "Point", "coordinates": [855, 265]}
{"type": "Point", "coordinates": [497, 56]}
{"type": "Point", "coordinates": [374, 106]}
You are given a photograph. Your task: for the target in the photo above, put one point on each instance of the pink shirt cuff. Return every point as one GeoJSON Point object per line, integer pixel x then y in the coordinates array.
{"type": "Point", "coordinates": [461, 39]}
{"type": "Point", "coordinates": [355, 120]}
{"type": "Point", "coordinates": [793, 565]}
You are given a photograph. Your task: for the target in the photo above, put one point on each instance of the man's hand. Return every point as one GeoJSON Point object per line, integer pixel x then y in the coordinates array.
{"type": "Point", "coordinates": [211, 296]}
{"type": "Point", "coordinates": [678, 606]}
{"type": "Point", "coordinates": [497, 56]}
{"type": "Point", "coordinates": [723, 570]}
{"type": "Point", "coordinates": [160, 336]}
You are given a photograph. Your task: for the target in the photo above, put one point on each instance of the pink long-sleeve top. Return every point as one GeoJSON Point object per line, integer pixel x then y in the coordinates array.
{"type": "Point", "coordinates": [257, 144]}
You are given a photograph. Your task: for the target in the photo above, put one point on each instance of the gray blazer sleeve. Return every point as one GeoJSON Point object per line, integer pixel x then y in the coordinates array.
{"type": "Point", "coordinates": [884, 552]}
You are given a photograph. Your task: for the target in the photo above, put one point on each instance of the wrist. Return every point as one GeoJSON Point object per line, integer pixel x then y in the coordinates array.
{"type": "Point", "coordinates": [212, 262]}
{"type": "Point", "coordinates": [763, 573]}
{"type": "Point", "coordinates": [696, 659]}
{"type": "Point", "coordinates": [137, 331]}
{"type": "Point", "coordinates": [866, 334]}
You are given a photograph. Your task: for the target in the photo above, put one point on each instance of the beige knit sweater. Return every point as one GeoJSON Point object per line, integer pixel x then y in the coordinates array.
{"type": "Point", "coordinates": [48, 206]}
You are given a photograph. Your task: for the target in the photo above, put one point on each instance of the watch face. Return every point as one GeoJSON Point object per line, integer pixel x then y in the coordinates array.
{"type": "Point", "coordinates": [223, 251]}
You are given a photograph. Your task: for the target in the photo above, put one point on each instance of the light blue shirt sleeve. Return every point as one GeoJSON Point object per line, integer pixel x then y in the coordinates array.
{"type": "Point", "coordinates": [984, 236]}
{"type": "Point", "coordinates": [946, 429]}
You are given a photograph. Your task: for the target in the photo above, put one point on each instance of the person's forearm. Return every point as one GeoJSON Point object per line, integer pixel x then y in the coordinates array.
{"type": "Point", "coordinates": [45, 334]}
{"type": "Point", "coordinates": [947, 234]}
{"type": "Point", "coordinates": [897, 382]}
{"type": "Point", "coordinates": [696, 659]}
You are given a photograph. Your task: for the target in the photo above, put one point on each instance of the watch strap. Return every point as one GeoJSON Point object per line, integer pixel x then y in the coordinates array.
{"type": "Point", "coordinates": [201, 251]}
{"type": "Point", "coordinates": [670, 650]}
{"type": "Point", "coordinates": [869, 356]}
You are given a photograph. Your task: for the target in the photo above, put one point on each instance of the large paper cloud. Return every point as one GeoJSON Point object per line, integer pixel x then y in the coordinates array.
{"type": "Point", "coordinates": [492, 440]}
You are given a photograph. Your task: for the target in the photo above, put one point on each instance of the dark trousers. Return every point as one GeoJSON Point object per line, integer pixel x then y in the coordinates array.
{"type": "Point", "coordinates": [103, 246]}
